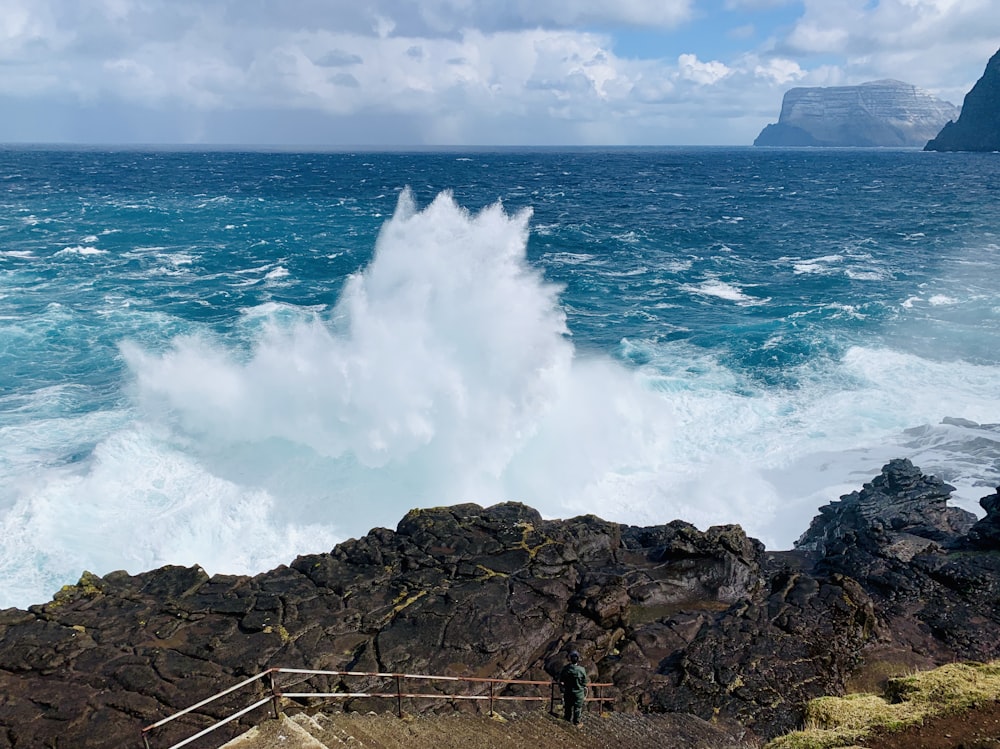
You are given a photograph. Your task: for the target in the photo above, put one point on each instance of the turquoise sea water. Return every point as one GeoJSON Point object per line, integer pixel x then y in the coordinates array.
{"type": "Point", "coordinates": [229, 358]}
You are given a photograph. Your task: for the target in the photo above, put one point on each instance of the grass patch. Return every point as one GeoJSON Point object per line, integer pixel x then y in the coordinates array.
{"type": "Point", "coordinates": [833, 722]}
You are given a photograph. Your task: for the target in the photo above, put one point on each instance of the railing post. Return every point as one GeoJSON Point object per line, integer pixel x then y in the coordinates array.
{"type": "Point", "coordinates": [399, 698]}
{"type": "Point", "coordinates": [275, 685]}
{"type": "Point", "coordinates": [275, 696]}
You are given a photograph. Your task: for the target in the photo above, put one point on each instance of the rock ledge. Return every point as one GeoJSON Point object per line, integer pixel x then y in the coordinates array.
{"type": "Point", "coordinates": [705, 623]}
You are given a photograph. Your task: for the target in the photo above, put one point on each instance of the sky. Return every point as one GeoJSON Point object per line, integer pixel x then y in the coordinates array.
{"type": "Point", "coordinates": [398, 73]}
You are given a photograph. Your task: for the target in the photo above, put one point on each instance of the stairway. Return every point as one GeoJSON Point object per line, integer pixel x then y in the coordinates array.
{"type": "Point", "coordinates": [529, 730]}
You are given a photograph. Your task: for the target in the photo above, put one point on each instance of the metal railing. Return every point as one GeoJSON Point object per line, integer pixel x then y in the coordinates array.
{"type": "Point", "coordinates": [276, 694]}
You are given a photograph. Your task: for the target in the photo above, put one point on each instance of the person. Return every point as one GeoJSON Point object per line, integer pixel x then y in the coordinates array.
{"type": "Point", "coordinates": [573, 683]}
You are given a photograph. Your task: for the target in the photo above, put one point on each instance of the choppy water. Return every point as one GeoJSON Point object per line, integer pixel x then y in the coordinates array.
{"type": "Point", "coordinates": [231, 358]}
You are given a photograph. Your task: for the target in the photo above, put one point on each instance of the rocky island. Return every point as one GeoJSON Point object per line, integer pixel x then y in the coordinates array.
{"type": "Point", "coordinates": [978, 127]}
{"type": "Point", "coordinates": [681, 621]}
{"type": "Point", "coordinates": [878, 113]}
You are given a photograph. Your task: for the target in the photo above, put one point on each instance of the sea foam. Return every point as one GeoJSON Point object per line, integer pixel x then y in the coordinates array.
{"type": "Point", "coordinates": [445, 373]}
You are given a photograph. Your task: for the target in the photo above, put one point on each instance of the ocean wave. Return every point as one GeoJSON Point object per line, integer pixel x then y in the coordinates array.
{"type": "Point", "coordinates": [154, 411]}
{"type": "Point", "coordinates": [714, 287]}
{"type": "Point", "coordinates": [819, 265]}
{"type": "Point", "coordinates": [277, 274]}
{"type": "Point", "coordinates": [83, 251]}
{"type": "Point", "coordinates": [867, 274]}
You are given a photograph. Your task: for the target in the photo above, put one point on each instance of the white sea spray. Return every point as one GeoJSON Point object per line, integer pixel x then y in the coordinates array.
{"type": "Point", "coordinates": [232, 382]}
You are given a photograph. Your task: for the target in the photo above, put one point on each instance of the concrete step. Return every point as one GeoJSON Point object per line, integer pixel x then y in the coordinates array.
{"type": "Point", "coordinates": [326, 730]}
{"type": "Point", "coordinates": [283, 732]}
{"type": "Point", "coordinates": [529, 730]}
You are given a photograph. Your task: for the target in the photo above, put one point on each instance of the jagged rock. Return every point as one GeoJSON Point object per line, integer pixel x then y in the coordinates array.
{"type": "Point", "coordinates": [901, 510]}
{"type": "Point", "coordinates": [679, 620]}
{"type": "Point", "coordinates": [978, 126]}
{"type": "Point", "coordinates": [901, 542]}
{"type": "Point", "coordinates": [985, 534]}
{"type": "Point", "coordinates": [877, 113]}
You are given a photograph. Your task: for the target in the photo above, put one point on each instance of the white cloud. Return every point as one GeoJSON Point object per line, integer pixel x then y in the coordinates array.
{"type": "Point", "coordinates": [705, 73]}
{"type": "Point", "coordinates": [757, 4]}
{"type": "Point", "coordinates": [779, 70]}
{"type": "Point", "coordinates": [817, 36]}
{"type": "Point", "coordinates": [939, 45]}
{"type": "Point", "coordinates": [467, 71]}
{"type": "Point", "coordinates": [28, 32]}
{"type": "Point", "coordinates": [453, 15]}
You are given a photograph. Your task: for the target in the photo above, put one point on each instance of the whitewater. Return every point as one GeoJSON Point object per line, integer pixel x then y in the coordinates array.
{"type": "Point", "coordinates": [230, 358]}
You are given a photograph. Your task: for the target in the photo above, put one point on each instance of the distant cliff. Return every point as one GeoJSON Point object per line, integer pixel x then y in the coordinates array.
{"type": "Point", "coordinates": [878, 113]}
{"type": "Point", "coordinates": [978, 127]}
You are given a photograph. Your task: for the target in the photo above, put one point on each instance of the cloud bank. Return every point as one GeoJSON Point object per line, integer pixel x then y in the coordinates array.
{"type": "Point", "coordinates": [457, 71]}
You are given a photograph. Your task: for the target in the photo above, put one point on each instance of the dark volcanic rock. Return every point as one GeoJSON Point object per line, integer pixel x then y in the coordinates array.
{"type": "Point", "coordinates": [901, 511]}
{"type": "Point", "coordinates": [706, 623]}
{"type": "Point", "coordinates": [978, 126]}
{"type": "Point", "coordinates": [985, 534]}
{"type": "Point", "coordinates": [899, 540]}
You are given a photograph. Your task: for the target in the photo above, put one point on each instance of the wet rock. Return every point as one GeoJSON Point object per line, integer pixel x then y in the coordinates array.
{"type": "Point", "coordinates": [901, 511]}
{"type": "Point", "coordinates": [679, 620]}
{"type": "Point", "coordinates": [985, 534]}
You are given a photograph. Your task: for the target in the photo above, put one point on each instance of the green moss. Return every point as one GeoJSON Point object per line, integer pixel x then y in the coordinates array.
{"type": "Point", "coordinates": [404, 599]}
{"type": "Point", "coordinates": [89, 586]}
{"type": "Point", "coordinates": [957, 686]}
{"type": "Point", "coordinates": [863, 712]}
{"type": "Point", "coordinates": [279, 630]}
{"type": "Point", "coordinates": [907, 700]}
{"type": "Point", "coordinates": [816, 739]}
{"type": "Point", "coordinates": [526, 529]}
{"type": "Point", "coordinates": [488, 573]}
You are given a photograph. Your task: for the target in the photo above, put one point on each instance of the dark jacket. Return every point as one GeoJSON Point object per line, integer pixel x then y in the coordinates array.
{"type": "Point", "coordinates": [573, 680]}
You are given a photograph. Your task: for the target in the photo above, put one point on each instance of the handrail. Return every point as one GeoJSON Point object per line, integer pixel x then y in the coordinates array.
{"type": "Point", "coordinates": [276, 695]}
{"type": "Point", "coordinates": [220, 723]}
{"type": "Point", "coordinates": [204, 702]}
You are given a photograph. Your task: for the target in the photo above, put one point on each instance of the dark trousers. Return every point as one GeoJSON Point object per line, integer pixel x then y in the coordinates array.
{"type": "Point", "coordinates": [572, 708]}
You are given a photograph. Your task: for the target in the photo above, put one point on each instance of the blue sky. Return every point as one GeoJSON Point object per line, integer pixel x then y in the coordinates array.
{"type": "Point", "coordinates": [460, 72]}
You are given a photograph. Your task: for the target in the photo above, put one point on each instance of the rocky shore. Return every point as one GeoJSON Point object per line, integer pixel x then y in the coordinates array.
{"type": "Point", "coordinates": [706, 623]}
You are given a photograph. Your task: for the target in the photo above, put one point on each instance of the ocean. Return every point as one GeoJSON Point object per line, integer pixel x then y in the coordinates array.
{"type": "Point", "coordinates": [229, 358]}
